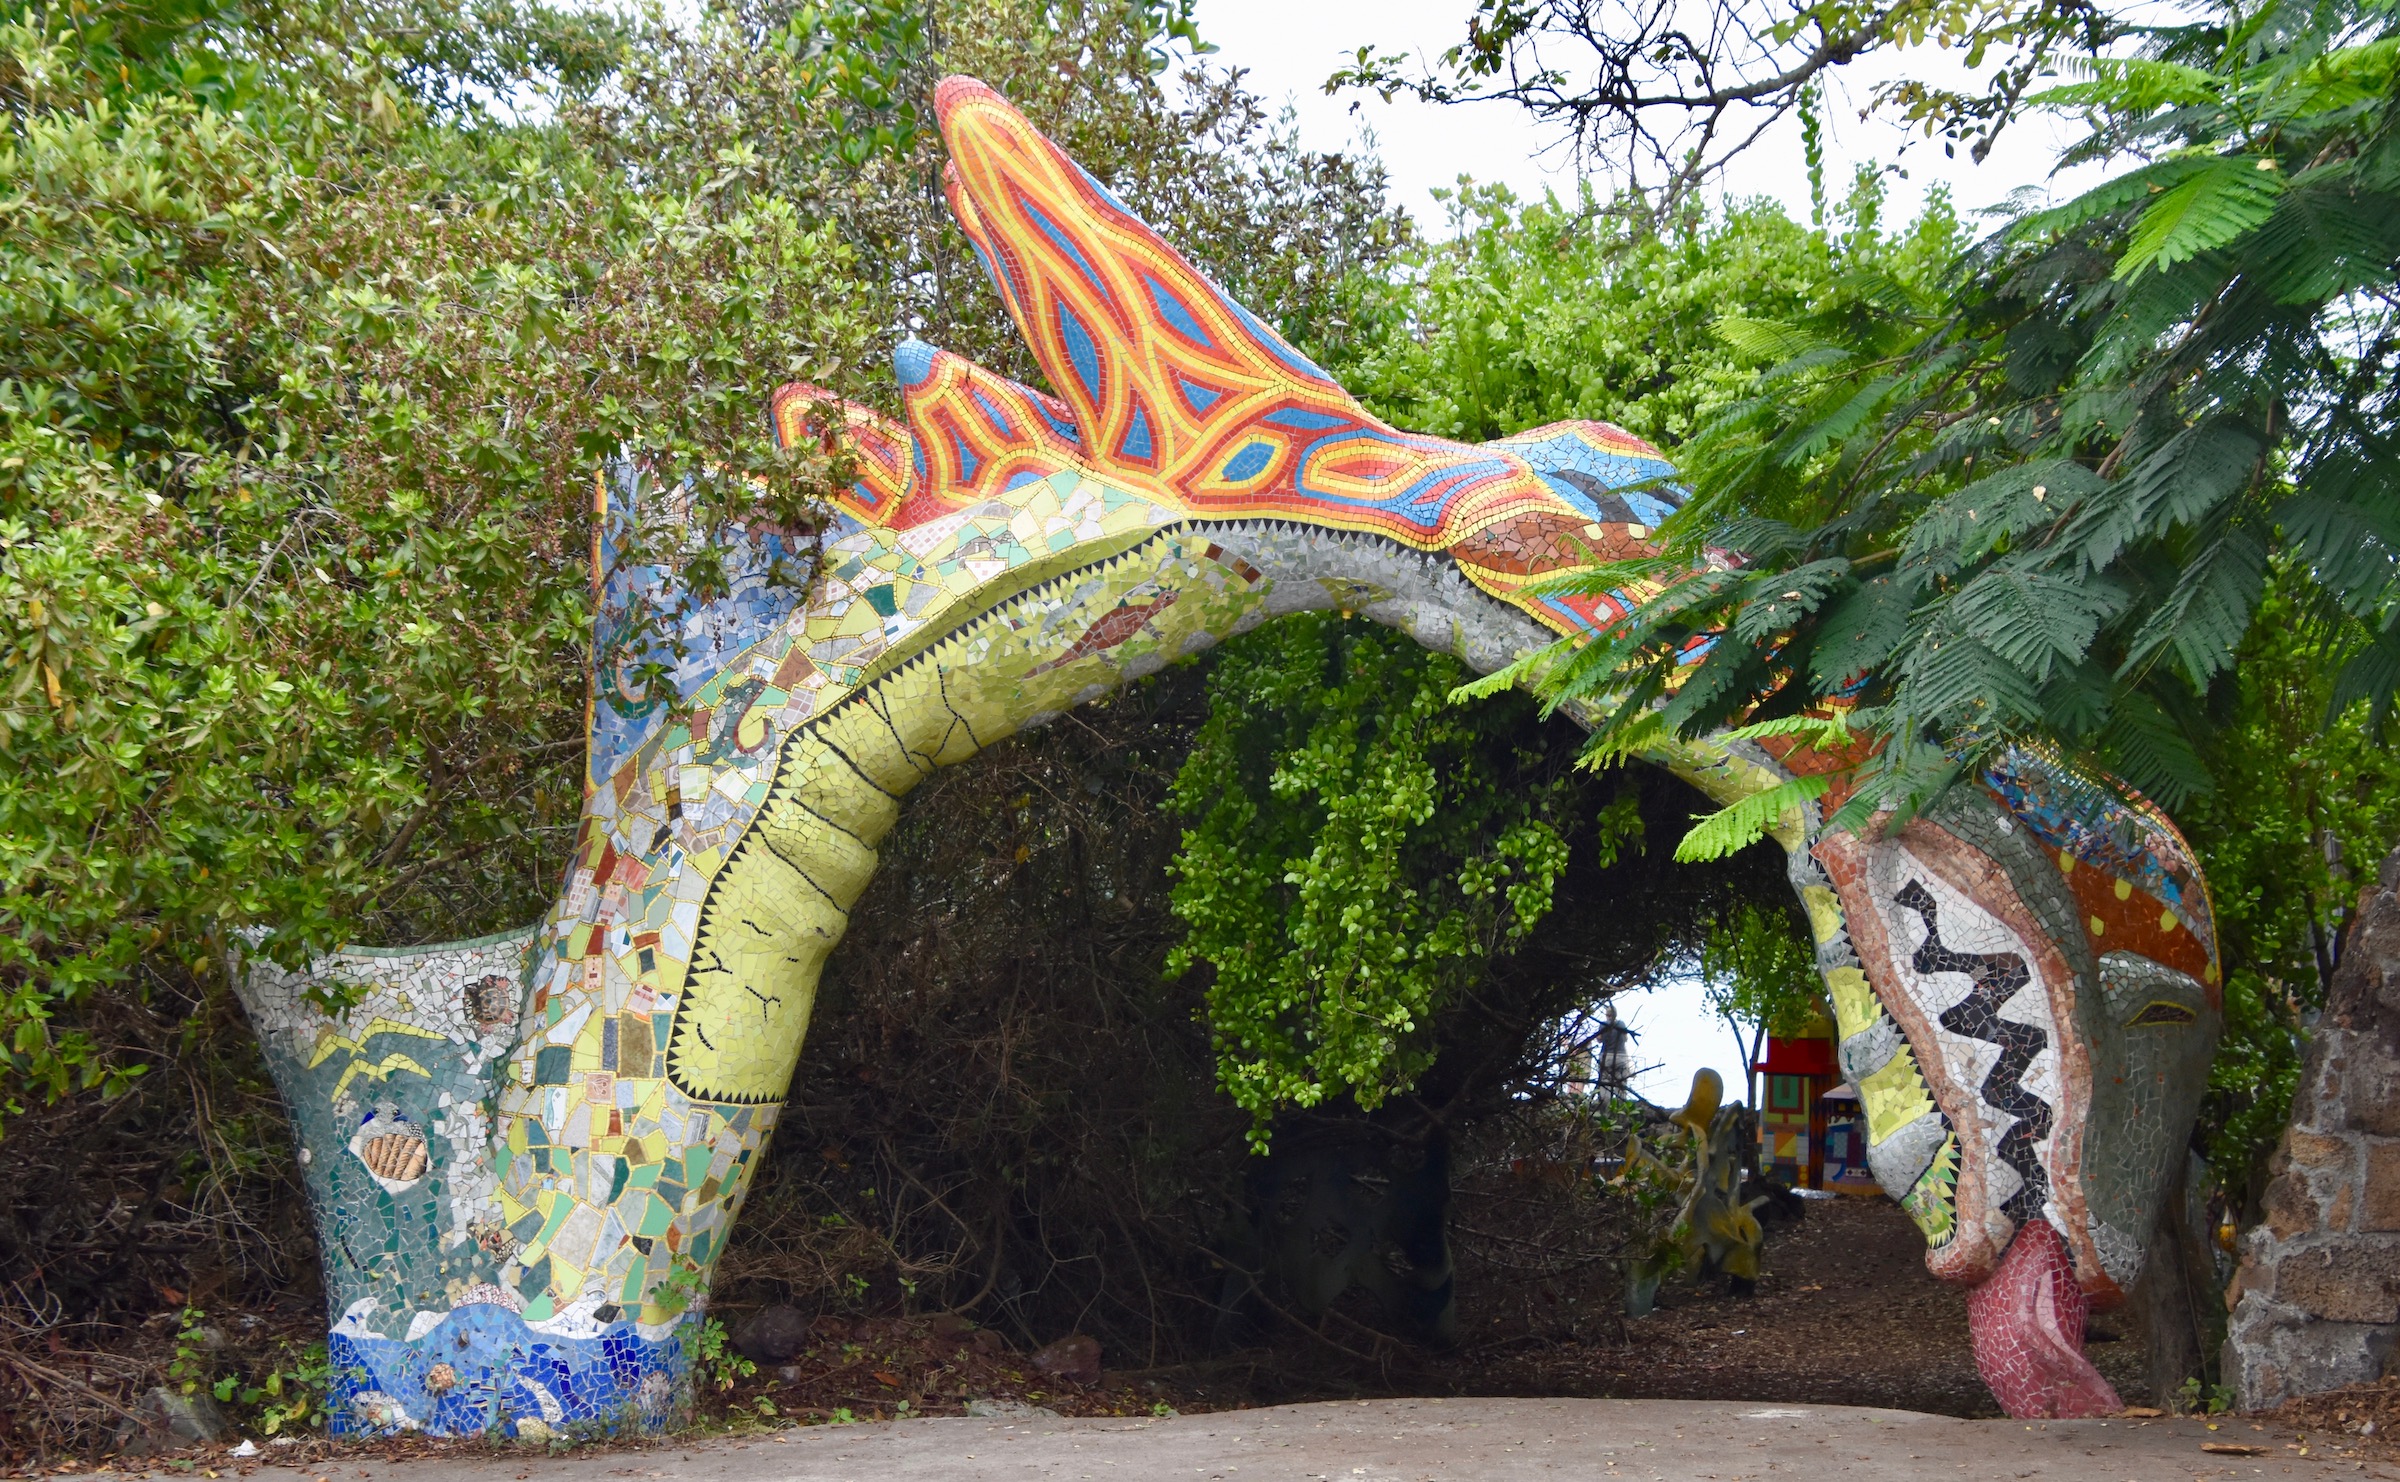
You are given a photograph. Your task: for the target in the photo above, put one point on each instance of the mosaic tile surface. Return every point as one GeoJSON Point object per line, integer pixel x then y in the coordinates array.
{"type": "Point", "coordinates": [525, 1154]}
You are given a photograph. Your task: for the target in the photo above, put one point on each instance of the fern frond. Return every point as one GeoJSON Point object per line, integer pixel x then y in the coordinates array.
{"type": "Point", "coordinates": [1509, 675]}
{"type": "Point", "coordinates": [2370, 676]}
{"type": "Point", "coordinates": [2144, 745]}
{"type": "Point", "coordinates": [2132, 85]}
{"type": "Point", "coordinates": [1607, 577]}
{"type": "Point", "coordinates": [1642, 730]}
{"type": "Point", "coordinates": [2327, 237]}
{"type": "Point", "coordinates": [1756, 537]}
{"type": "Point", "coordinates": [2104, 199]}
{"type": "Point", "coordinates": [1819, 358]}
{"type": "Point", "coordinates": [2207, 611]}
{"type": "Point", "coordinates": [1789, 596]}
{"type": "Point", "coordinates": [1845, 420]}
{"type": "Point", "coordinates": [2180, 482]}
{"type": "Point", "coordinates": [1859, 633]}
{"type": "Point", "coordinates": [1966, 526]}
{"type": "Point", "coordinates": [1947, 678]}
{"type": "Point", "coordinates": [1910, 778]}
{"type": "Point", "coordinates": [2030, 618]}
{"type": "Point", "coordinates": [1769, 340]}
{"type": "Point", "coordinates": [2208, 209]}
{"type": "Point", "coordinates": [1746, 822]}
{"type": "Point", "coordinates": [1821, 730]}
{"type": "Point", "coordinates": [2342, 522]}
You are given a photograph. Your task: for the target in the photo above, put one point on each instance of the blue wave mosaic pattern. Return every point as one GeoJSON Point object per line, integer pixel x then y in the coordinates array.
{"type": "Point", "coordinates": [482, 1368]}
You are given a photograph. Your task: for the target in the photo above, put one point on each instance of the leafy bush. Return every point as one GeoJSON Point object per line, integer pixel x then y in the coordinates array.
{"type": "Point", "coordinates": [304, 380]}
{"type": "Point", "coordinates": [1537, 311]}
{"type": "Point", "coordinates": [1361, 850]}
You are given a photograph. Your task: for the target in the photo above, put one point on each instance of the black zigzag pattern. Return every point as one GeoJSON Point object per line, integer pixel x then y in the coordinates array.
{"type": "Point", "coordinates": [1999, 977]}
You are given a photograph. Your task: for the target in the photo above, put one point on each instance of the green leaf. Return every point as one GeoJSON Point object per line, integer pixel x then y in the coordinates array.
{"type": "Point", "coordinates": [2032, 618]}
{"type": "Point", "coordinates": [2106, 198]}
{"type": "Point", "coordinates": [1746, 822]}
{"type": "Point", "coordinates": [2208, 209]}
{"type": "Point", "coordinates": [1860, 632]}
{"type": "Point", "coordinates": [1821, 730]}
{"type": "Point", "coordinates": [1765, 339]}
{"type": "Point", "coordinates": [2133, 85]}
{"type": "Point", "coordinates": [1787, 597]}
{"type": "Point", "coordinates": [2206, 614]}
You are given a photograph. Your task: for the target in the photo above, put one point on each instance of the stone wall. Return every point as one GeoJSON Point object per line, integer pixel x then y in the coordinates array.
{"type": "Point", "coordinates": [2319, 1287]}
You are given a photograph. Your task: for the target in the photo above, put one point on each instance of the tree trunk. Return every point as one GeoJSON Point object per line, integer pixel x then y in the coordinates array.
{"type": "Point", "coordinates": [2178, 1305]}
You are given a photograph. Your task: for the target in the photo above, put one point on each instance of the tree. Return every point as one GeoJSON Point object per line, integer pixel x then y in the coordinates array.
{"type": "Point", "coordinates": [1405, 853]}
{"type": "Point", "coordinates": [308, 351]}
{"type": "Point", "coordinates": [1361, 852]}
{"type": "Point", "coordinates": [1758, 969]}
{"type": "Point", "coordinates": [1663, 95]}
{"type": "Point", "coordinates": [2303, 805]}
{"type": "Point", "coordinates": [315, 322]}
{"type": "Point", "coordinates": [2048, 513]}
{"type": "Point", "coordinates": [2053, 504]}
{"type": "Point", "coordinates": [1540, 311]}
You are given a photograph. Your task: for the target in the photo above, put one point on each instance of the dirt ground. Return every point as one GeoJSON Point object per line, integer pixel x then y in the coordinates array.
{"type": "Point", "coordinates": [1845, 1314]}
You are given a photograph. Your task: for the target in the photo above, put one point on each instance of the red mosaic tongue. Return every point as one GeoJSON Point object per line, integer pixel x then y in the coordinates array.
{"type": "Point", "coordinates": [2027, 1324]}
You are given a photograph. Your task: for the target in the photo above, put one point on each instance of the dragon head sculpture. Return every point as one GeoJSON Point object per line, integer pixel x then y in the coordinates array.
{"type": "Point", "coordinates": [2024, 979]}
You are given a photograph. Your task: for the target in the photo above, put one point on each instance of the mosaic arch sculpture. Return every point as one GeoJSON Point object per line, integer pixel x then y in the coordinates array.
{"type": "Point", "coordinates": [525, 1152]}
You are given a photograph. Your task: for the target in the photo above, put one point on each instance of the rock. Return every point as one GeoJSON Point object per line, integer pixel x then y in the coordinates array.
{"type": "Point", "coordinates": [949, 1327]}
{"type": "Point", "coordinates": [2358, 1284]}
{"type": "Point", "coordinates": [2381, 1209]}
{"type": "Point", "coordinates": [2319, 1286]}
{"type": "Point", "coordinates": [170, 1419]}
{"type": "Point", "coordinates": [378, 1411]}
{"type": "Point", "coordinates": [772, 1335]}
{"type": "Point", "coordinates": [1009, 1410]}
{"type": "Point", "coordinates": [1075, 1357]}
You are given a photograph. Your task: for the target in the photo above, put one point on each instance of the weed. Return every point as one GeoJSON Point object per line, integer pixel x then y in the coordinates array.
{"type": "Point", "coordinates": [2214, 1399]}
{"type": "Point", "coordinates": [717, 1360]}
{"type": "Point", "coordinates": [292, 1393]}
{"type": "Point", "coordinates": [189, 1369]}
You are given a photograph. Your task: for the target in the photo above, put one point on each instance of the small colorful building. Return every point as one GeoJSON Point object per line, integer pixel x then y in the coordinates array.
{"type": "Point", "coordinates": [1794, 1075]}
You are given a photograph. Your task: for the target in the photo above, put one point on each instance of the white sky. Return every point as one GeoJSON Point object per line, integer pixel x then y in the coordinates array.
{"type": "Point", "coordinates": [1290, 48]}
{"type": "Point", "coordinates": [1675, 1036]}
